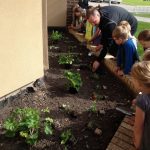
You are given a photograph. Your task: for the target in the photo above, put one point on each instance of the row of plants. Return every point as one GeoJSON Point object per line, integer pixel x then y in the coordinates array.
{"type": "Point", "coordinates": [27, 122]}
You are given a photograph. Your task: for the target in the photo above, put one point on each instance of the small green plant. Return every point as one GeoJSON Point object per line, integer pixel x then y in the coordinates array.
{"type": "Point", "coordinates": [48, 126]}
{"type": "Point", "coordinates": [93, 107]}
{"type": "Point", "coordinates": [65, 136]}
{"type": "Point", "coordinates": [56, 36]}
{"type": "Point", "coordinates": [66, 59]}
{"type": "Point", "coordinates": [45, 110]}
{"type": "Point", "coordinates": [25, 122]}
{"type": "Point", "coordinates": [74, 78]}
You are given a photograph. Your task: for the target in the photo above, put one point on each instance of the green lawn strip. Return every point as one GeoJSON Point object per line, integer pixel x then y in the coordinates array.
{"type": "Point", "coordinates": [137, 2]}
{"type": "Point", "coordinates": [147, 15]}
{"type": "Point", "coordinates": [141, 26]}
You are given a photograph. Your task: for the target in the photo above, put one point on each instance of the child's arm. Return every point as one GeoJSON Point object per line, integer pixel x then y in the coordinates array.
{"type": "Point", "coordinates": [119, 59]}
{"type": "Point", "coordinates": [128, 58]}
{"type": "Point", "coordinates": [138, 127]}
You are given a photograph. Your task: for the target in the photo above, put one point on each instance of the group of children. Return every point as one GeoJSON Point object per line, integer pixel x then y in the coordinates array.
{"type": "Point", "coordinates": [127, 63]}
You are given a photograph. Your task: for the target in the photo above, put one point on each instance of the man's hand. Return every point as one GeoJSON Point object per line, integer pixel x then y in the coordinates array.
{"type": "Point", "coordinates": [99, 47]}
{"type": "Point", "coordinates": [96, 65]}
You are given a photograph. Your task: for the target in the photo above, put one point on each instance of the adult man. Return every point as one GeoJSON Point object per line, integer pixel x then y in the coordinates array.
{"type": "Point", "coordinates": [107, 18]}
{"type": "Point", "coordinates": [83, 3]}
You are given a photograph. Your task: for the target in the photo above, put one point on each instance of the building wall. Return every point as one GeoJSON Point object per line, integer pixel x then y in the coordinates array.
{"type": "Point", "coordinates": [21, 43]}
{"type": "Point", "coordinates": [56, 13]}
{"type": "Point", "coordinates": [70, 4]}
{"type": "Point", "coordinates": [45, 35]}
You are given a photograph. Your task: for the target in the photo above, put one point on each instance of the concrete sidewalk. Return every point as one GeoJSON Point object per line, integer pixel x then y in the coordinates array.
{"type": "Point", "coordinates": [143, 19]}
{"type": "Point", "coordinates": [130, 8]}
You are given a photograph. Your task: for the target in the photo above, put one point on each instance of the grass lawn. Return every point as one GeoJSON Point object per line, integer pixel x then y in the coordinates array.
{"type": "Point", "coordinates": [137, 2]}
{"type": "Point", "coordinates": [147, 15]}
{"type": "Point", "coordinates": [141, 26]}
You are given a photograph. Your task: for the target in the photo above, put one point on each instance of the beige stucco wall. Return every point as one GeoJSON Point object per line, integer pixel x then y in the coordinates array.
{"type": "Point", "coordinates": [45, 35]}
{"type": "Point", "coordinates": [21, 43]}
{"type": "Point", "coordinates": [56, 12]}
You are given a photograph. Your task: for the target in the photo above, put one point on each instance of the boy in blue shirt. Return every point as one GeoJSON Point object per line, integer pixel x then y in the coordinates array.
{"type": "Point", "coordinates": [127, 54]}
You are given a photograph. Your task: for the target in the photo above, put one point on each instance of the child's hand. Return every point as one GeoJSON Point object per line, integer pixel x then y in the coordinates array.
{"type": "Point", "coordinates": [120, 73]}
{"type": "Point", "coordinates": [69, 27]}
{"type": "Point", "coordinates": [117, 69]}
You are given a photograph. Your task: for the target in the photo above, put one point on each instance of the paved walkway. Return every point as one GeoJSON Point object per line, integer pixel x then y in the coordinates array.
{"type": "Point", "coordinates": [143, 19]}
{"type": "Point", "coordinates": [135, 9]}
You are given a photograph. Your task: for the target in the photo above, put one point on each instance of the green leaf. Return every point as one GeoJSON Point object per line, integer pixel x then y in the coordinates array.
{"type": "Point", "coordinates": [74, 78]}
{"type": "Point", "coordinates": [48, 129]}
{"type": "Point", "coordinates": [65, 136]}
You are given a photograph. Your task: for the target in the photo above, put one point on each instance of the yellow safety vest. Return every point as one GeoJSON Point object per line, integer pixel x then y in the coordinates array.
{"type": "Point", "coordinates": [89, 30]}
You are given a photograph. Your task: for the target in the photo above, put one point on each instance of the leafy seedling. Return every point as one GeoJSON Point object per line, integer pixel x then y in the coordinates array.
{"type": "Point", "coordinates": [56, 36]}
{"type": "Point", "coordinates": [75, 80]}
{"type": "Point", "coordinates": [24, 121]}
{"type": "Point", "coordinates": [66, 59]}
{"type": "Point", "coordinates": [93, 107]}
{"type": "Point", "coordinates": [65, 136]}
{"type": "Point", "coordinates": [48, 126]}
{"type": "Point", "coordinates": [45, 110]}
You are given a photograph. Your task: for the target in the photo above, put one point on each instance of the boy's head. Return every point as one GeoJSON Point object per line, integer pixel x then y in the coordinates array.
{"type": "Point", "coordinates": [144, 38]}
{"type": "Point", "coordinates": [146, 56]}
{"type": "Point", "coordinates": [141, 75]}
{"type": "Point", "coordinates": [120, 34]}
{"type": "Point", "coordinates": [125, 23]}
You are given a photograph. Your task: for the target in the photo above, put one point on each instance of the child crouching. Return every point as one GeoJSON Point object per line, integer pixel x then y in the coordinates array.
{"type": "Point", "coordinates": [127, 53]}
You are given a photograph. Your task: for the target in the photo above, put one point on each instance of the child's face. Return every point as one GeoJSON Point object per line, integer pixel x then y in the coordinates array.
{"type": "Point", "coordinates": [145, 44]}
{"type": "Point", "coordinates": [118, 41]}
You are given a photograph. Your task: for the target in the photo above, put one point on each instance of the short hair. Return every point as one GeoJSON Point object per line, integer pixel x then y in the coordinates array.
{"type": "Point", "coordinates": [125, 23]}
{"type": "Point", "coordinates": [89, 11]}
{"type": "Point", "coordinates": [141, 72]}
{"type": "Point", "coordinates": [144, 35]}
{"type": "Point", "coordinates": [94, 10]}
{"type": "Point", "coordinates": [146, 56]}
{"type": "Point", "coordinates": [120, 32]}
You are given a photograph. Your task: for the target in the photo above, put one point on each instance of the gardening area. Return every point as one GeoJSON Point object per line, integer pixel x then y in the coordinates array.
{"type": "Point", "coordinates": [74, 109]}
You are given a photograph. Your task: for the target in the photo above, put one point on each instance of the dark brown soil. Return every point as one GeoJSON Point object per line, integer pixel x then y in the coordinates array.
{"type": "Point", "coordinates": [107, 119]}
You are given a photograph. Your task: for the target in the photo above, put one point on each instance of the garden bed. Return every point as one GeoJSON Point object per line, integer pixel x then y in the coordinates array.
{"type": "Point", "coordinates": [90, 113]}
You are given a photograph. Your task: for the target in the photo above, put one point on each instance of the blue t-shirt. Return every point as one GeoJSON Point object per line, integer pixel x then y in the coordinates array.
{"type": "Point", "coordinates": [127, 55]}
{"type": "Point", "coordinates": [143, 102]}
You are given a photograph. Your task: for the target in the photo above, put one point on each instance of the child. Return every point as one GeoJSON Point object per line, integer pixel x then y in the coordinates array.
{"type": "Point", "coordinates": [144, 39]}
{"type": "Point", "coordinates": [141, 78]}
{"type": "Point", "coordinates": [78, 18]}
{"type": "Point", "coordinates": [126, 23]}
{"type": "Point", "coordinates": [127, 54]}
